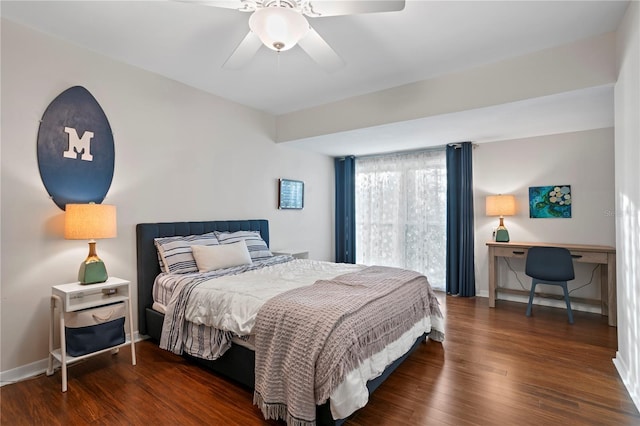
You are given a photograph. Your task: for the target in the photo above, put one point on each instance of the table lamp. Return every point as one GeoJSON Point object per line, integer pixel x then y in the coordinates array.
{"type": "Point", "coordinates": [501, 205]}
{"type": "Point", "coordinates": [90, 222]}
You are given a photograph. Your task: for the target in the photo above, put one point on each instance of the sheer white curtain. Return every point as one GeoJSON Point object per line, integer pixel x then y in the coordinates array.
{"type": "Point", "coordinates": [401, 207]}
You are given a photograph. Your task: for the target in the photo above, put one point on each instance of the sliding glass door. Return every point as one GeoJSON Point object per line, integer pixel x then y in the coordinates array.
{"type": "Point", "coordinates": [401, 212]}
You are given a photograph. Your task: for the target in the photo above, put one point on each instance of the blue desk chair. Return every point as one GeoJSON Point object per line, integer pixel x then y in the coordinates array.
{"type": "Point", "coordinates": [550, 265]}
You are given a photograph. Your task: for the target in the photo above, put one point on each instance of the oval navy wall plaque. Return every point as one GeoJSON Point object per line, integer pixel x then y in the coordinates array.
{"type": "Point", "coordinates": [76, 153]}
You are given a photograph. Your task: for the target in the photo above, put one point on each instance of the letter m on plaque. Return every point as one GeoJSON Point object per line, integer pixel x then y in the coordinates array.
{"type": "Point", "coordinates": [78, 145]}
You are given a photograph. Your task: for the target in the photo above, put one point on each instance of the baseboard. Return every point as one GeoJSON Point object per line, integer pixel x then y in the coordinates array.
{"type": "Point", "coordinates": [23, 372]}
{"type": "Point", "coordinates": [34, 369]}
{"type": "Point", "coordinates": [544, 302]}
{"type": "Point", "coordinates": [632, 388]}
{"type": "Point", "coordinates": [482, 293]}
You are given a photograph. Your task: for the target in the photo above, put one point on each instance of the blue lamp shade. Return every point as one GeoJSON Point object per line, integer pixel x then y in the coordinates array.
{"type": "Point", "coordinates": [90, 222]}
{"type": "Point", "coordinates": [501, 205]}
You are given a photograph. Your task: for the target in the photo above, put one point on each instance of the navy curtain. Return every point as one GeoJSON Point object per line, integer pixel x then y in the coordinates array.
{"type": "Point", "coordinates": [345, 209]}
{"type": "Point", "coordinates": [461, 279]}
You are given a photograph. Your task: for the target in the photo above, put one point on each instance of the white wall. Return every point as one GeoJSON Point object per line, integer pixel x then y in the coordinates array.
{"type": "Point", "coordinates": [583, 160]}
{"type": "Point", "coordinates": [181, 154]}
{"type": "Point", "coordinates": [627, 156]}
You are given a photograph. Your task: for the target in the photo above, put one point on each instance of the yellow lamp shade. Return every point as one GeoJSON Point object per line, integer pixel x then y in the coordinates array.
{"type": "Point", "coordinates": [90, 221]}
{"type": "Point", "coordinates": [501, 205]}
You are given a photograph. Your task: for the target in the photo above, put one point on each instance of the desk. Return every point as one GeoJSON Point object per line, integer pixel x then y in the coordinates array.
{"type": "Point", "coordinates": [605, 256]}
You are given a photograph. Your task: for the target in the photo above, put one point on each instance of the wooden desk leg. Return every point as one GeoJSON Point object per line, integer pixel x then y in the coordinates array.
{"type": "Point", "coordinates": [611, 290]}
{"type": "Point", "coordinates": [604, 289]}
{"type": "Point", "coordinates": [492, 277]}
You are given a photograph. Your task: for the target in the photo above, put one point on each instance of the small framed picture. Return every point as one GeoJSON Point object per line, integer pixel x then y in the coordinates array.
{"type": "Point", "coordinates": [290, 194]}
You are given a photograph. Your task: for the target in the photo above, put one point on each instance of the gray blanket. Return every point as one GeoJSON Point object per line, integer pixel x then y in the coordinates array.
{"type": "Point", "coordinates": [309, 339]}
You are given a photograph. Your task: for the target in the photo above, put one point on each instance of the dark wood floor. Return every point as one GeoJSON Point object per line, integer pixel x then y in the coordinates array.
{"type": "Point", "coordinates": [496, 367]}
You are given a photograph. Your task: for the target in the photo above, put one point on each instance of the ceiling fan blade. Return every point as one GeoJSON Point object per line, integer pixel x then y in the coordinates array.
{"type": "Point", "coordinates": [320, 51]}
{"type": "Point", "coordinates": [244, 52]}
{"type": "Point", "coordinates": [352, 7]}
{"type": "Point", "coordinates": [225, 4]}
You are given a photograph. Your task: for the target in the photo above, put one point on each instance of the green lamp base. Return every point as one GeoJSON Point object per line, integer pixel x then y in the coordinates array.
{"type": "Point", "coordinates": [502, 235]}
{"type": "Point", "coordinates": [92, 272]}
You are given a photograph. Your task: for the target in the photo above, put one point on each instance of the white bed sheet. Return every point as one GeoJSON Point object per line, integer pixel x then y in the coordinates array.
{"type": "Point", "coordinates": [231, 303]}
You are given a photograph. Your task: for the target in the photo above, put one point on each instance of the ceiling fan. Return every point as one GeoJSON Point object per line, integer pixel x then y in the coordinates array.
{"type": "Point", "coordinates": [281, 24]}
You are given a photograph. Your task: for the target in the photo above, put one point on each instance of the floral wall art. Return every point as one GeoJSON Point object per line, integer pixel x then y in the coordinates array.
{"type": "Point", "coordinates": [550, 201]}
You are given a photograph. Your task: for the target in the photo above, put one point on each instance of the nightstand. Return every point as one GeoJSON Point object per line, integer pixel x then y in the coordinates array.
{"type": "Point", "coordinates": [298, 254]}
{"type": "Point", "coordinates": [75, 297]}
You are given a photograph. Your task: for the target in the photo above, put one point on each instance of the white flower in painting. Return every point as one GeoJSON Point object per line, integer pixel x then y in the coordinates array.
{"type": "Point", "coordinates": [560, 195]}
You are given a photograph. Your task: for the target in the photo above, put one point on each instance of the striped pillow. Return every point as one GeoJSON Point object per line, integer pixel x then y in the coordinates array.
{"type": "Point", "coordinates": [176, 254]}
{"type": "Point", "coordinates": [258, 249]}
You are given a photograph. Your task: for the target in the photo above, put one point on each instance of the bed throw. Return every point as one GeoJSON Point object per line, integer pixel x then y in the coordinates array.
{"type": "Point", "coordinates": [309, 338]}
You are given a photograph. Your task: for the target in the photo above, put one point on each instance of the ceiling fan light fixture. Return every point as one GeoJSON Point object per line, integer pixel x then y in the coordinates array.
{"type": "Point", "coordinates": [279, 28]}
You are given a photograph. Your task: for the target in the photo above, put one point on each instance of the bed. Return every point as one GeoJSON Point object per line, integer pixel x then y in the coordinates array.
{"type": "Point", "coordinates": [239, 361]}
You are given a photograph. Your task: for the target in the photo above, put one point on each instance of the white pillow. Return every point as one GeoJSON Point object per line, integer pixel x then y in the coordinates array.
{"type": "Point", "coordinates": [209, 258]}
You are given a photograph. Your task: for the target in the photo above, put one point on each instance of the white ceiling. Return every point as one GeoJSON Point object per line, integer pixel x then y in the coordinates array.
{"type": "Point", "coordinates": [189, 43]}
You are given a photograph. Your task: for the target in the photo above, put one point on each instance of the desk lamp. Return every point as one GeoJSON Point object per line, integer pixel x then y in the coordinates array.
{"type": "Point", "coordinates": [90, 222]}
{"type": "Point", "coordinates": [501, 205]}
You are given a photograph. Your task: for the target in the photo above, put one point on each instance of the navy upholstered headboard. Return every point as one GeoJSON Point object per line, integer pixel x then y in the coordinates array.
{"type": "Point", "coordinates": [147, 257]}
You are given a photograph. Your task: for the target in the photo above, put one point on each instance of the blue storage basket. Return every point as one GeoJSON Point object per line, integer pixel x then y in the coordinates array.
{"type": "Point", "coordinates": [94, 329]}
